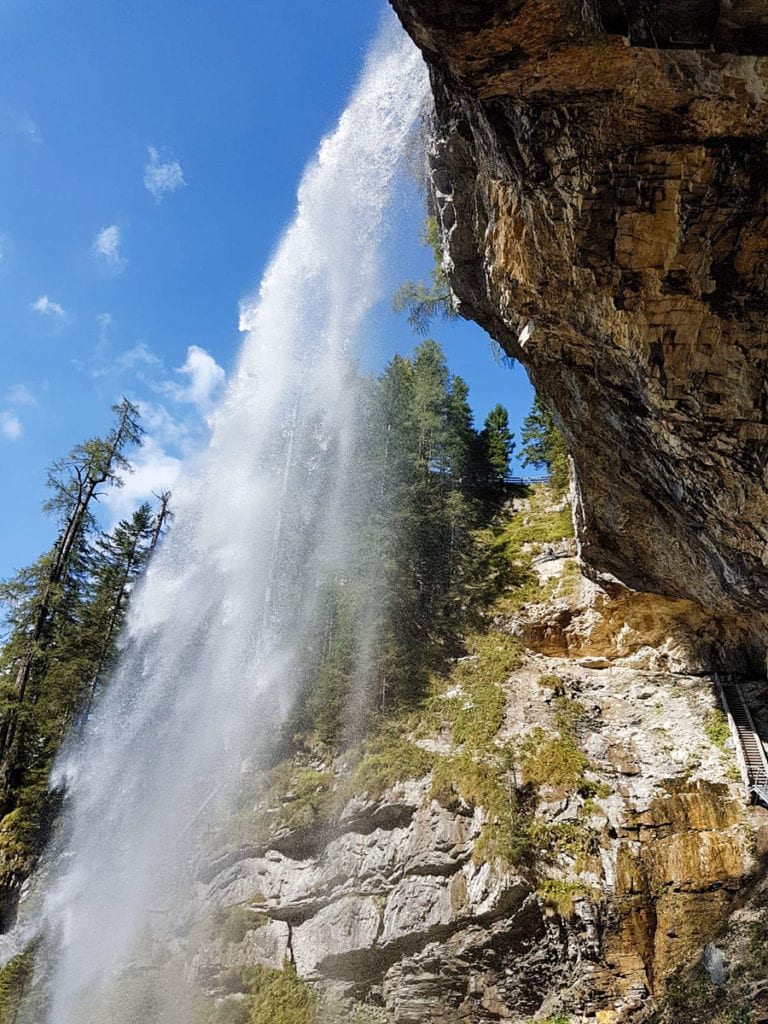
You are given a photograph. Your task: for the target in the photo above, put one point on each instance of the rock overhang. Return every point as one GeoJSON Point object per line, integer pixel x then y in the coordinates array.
{"type": "Point", "coordinates": [602, 186]}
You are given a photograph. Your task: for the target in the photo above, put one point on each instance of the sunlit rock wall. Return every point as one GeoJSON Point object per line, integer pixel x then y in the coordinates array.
{"type": "Point", "coordinates": [397, 906]}
{"type": "Point", "coordinates": [601, 175]}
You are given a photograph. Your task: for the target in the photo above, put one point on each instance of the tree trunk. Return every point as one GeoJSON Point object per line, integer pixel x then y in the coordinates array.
{"type": "Point", "coordinates": [163, 513]}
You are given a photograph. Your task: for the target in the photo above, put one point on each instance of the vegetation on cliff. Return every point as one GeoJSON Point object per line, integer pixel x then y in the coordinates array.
{"type": "Point", "coordinates": [457, 703]}
{"type": "Point", "coordinates": [429, 483]}
{"type": "Point", "coordinates": [423, 301]}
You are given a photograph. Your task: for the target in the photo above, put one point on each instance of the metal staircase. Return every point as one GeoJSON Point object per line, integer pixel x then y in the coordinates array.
{"type": "Point", "coordinates": [750, 752]}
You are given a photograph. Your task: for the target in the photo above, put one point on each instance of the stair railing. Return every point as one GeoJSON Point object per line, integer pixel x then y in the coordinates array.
{"type": "Point", "coordinates": [735, 737]}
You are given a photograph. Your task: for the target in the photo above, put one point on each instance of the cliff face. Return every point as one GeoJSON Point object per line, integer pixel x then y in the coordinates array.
{"type": "Point", "coordinates": [636, 865]}
{"type": "Point", "coordinates": [557, 833]}
{"type": "Point", "coordinates": [601, 177]}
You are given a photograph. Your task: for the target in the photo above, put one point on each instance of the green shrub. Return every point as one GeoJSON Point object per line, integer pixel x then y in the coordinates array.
{"type": "Point", "coordinates": [757, 944]}
{"type": "Point", "coordinates": [226, 1011]}
{"type": "Point", "coordinates": [363, 1013]}
{"type": "Point", "coordinates": [310, 799]}
{"type": "Point", "coordinates": [689, 993]}
{"type": "Point", "coordinates": [553, 760]}
{"type": "Point", "coordinates": [486, 779]}
{"type": "Point", "coordinates": [476, 714]}
{"type": "Point", "coordinates": [716, 729]}
{"type": "Point", "coordinates": [270, 997]}
{"type": "Point", "coordinates": [235, 922]}
{"type": "Point", "coordinates": [574, 839]}
{"type": "Point", "coordinates": [539, 527]}
{"type": "Point", "coordinates": [569, 715]}
{"type": "Point", "coordinates": [554, 683]}
{"type": "Point", "coordinates": [280, 997]}
{"type": "Point", "coordinates": [387, 758]}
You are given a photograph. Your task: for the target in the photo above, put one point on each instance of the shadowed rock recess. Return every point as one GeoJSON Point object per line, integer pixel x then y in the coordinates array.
{"type": "Point", "coordinates": [600, 173]}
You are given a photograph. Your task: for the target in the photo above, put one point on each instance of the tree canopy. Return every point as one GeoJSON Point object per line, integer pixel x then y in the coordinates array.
{"type": "Point", "coordinates": [62, 617]}
{"type": "Point", "coordinates": [498, 443]}
{"type": "Point", "coordinates": [428, 482]}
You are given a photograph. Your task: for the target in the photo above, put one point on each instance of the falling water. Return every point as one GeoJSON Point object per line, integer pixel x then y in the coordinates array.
{"type": "Point", "coordinates": [213, 649]}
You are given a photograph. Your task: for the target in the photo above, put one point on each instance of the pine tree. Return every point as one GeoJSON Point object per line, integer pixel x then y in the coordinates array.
{"type": "Point", "coordinates": [328, 700]}
{"type": "Point", "coordinates": [75, 483]}
{"type": "Point", "coordinates": [45, 600]}
{"type": "Point", "coordinates": [543, 445]}
{"type": "Point", "coordinates": [461, 437]}
{"type": "Point", "coordinates": [424, 517]}
{"type": "Point", "coordinates": [117, 561]}
{"type": "Point", "coordinates": [429, 399]}
{"type": "Point", "coordinates": [421, 479]}
{"type": "Point", "coordinates": [498, 443]}
{"type": "Point", "coordinates": [162, 516]}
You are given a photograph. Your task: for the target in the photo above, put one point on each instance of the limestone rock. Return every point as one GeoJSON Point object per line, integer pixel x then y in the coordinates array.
{"type": "Point", "coordinates": [611, 624]}
{"type": "Point", "coordinates": [404, 914]}
{"type": "Point", "coordinates": [347, 926]}
{"type": "Point", "coordinates": [601, 181]}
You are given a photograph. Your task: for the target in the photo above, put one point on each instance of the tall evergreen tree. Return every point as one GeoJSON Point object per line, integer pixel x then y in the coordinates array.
{"type": "Point", "coordinates": [543, 445]}
{"type": "Point", "coordinates": [417, 480]}
{"type": "Point", "coordinates": [422, 478]}
{"type": "Point", "coordinates": [75, 482]}
{"type": "Point", "coordinates": [461, 437]}
{"type": "Point", "coordinates": [429, 398]}
{"type": "Point", "coordinates": [51, 652]}
{"type": "Point", "coordinates": [162, 517]}
{"type": "Point", "coordinates": [498, 443]}
{"type": "Point", "coordinates": [117, 560]}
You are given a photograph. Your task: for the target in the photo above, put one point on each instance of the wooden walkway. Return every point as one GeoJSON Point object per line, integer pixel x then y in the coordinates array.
{"type": "Point", "coordinates": [750, 752]}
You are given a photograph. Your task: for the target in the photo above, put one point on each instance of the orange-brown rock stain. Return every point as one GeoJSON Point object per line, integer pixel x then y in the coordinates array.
{"type": "Point", "coordinates": [679, 865]}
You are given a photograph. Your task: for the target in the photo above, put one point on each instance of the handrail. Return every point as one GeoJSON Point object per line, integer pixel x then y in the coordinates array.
{"type": "Point", "coordinates": [737, 747]}
{"type": "Point", "coordinates": [524, 481]}
{"type": "Point", "coordinates": [754, 775]}
{"type": "Point", "coordinates": [751, 723]}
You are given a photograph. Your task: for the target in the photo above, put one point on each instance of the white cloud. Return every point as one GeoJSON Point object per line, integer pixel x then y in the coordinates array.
{"type": "Point", "coordinates": [106, 248]}
{"type": "Point", "coordinates": [10, 426]}
{"type": "Point", "coordinates": [177, 427]}
{"type": "Point", "coordinates": [205, 379]}
{"type": "Point", "coordinates": [182, 435]}
{"type": "Point", "coordinates": [20, 395]}
{"type": "Point", "coordinates": [162, 177]}
{"type": "Point", "coordinates": [137, 357]}
{"type": "Point", "coordinates": [105, 321]}
{"type": "Point", "coordinates": [48, 308]}
{"type": "Point", "coordinates": [154, 470]}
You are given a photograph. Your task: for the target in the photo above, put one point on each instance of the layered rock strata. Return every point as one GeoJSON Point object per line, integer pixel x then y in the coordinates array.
{"type": "Point", "coordinates": [600, 175]}
{"type": "Point", "coordinates": [396, 909]}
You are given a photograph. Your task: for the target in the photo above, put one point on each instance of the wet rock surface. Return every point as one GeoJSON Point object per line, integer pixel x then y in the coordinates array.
{"type": "Point", "coordinates": [601, 179]}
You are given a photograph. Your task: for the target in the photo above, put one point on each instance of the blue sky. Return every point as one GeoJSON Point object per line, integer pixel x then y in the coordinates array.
{"type": "Point", "coordinates": [149, 159]}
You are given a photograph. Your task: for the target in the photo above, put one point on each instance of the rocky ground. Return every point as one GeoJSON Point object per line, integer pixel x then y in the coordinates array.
{"type": "Point", "coordinates": [575, 859]}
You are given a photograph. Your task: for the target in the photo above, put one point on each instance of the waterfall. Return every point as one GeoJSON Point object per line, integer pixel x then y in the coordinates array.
{"type": "Point", "coordinates": [212, 653]}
